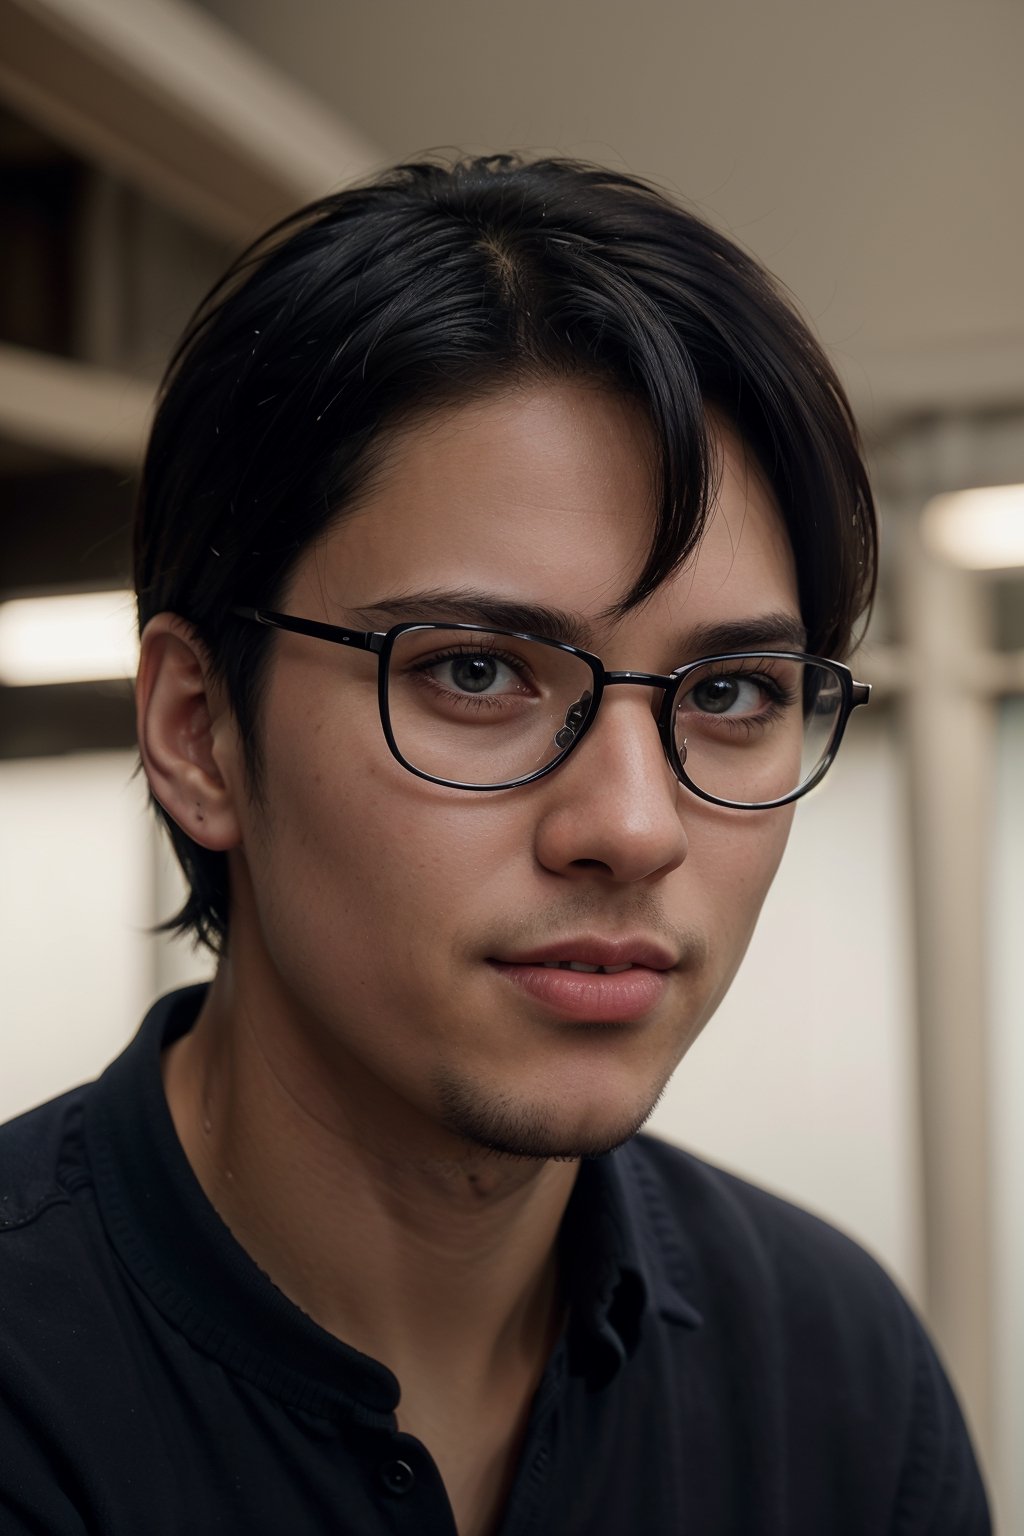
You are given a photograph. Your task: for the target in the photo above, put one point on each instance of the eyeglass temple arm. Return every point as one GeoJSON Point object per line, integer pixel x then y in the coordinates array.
{"type": "Point", "coordinates": [361, 639]}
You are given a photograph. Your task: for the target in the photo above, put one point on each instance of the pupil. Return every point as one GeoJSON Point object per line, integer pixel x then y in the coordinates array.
{"type": "Point", "coordinates": [716, 695]}
{"type": "Point", "coordinates": [474, 673]}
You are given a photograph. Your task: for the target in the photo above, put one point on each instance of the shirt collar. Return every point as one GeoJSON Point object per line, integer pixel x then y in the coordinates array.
{"type": "Point", "coordinates": [624, 1258]}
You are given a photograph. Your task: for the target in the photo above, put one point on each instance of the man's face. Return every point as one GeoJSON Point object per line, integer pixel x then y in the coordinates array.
{"type": "Point", "coordinates": [395, 929]}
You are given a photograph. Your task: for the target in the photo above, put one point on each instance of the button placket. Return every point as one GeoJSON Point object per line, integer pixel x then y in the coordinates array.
{"type": "Point", "coordinates": [398, 1477]}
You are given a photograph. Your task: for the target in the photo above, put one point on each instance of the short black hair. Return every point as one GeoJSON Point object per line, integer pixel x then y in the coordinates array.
{"type": "Point", "coordinates": [437, 282]}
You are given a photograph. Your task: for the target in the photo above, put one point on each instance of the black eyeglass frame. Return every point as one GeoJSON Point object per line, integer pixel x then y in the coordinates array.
{"type": "Point", "coordinates": [382, 642]}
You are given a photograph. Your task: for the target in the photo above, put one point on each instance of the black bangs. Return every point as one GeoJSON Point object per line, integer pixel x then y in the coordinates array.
{"type": "Point", "coordinates": [438, 283]}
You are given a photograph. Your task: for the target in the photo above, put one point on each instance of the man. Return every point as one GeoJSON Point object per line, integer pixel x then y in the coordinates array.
{"type": "Point", "coordinates": [501, 536]}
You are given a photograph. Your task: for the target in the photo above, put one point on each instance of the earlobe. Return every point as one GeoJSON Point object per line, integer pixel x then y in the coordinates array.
{"type": "Point", "coordinates": [187, 736]}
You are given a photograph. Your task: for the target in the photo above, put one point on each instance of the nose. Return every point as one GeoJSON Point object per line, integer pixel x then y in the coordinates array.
{"type": "Point", "coordinates": [614, 808]}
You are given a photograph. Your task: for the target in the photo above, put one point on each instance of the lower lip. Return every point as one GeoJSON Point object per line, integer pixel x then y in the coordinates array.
{"type": "Point", "coordinates": [590, 995]}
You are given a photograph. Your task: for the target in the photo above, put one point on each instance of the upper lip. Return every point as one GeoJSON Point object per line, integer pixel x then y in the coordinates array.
{"type": "Point", "coordinates": [594, 951]}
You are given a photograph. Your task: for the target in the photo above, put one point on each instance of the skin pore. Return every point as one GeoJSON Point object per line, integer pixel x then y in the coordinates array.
{"type": "Point", "coordinates": [359, 1047]}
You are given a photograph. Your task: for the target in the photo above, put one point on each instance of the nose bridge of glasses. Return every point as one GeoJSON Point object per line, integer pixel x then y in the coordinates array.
{"type": "Point", "coordinates": [658, 681]}
{"type": "Point", "coordinates": [639, 679]}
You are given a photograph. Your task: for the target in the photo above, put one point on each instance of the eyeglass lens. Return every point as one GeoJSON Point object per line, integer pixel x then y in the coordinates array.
{"type": "Point", "coordinates": [484, 708]}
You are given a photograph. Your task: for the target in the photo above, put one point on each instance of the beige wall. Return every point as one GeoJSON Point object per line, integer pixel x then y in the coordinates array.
{"type": "Point", "coordinates": [1007, 1097]}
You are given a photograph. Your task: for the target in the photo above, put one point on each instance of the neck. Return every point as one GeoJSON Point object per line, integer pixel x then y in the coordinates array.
{"type": "Point", "coordinates": [435, 1257]}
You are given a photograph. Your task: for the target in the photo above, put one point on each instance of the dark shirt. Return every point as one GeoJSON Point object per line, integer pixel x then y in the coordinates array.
{"type": "Point", "coordinates": [730, 1364]}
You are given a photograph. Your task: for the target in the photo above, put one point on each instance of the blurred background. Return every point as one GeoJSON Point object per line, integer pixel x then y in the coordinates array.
{"type": "Point", "coordinates": [869, 1062]}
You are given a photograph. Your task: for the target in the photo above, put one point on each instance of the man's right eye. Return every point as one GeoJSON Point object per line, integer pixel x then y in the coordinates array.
{"type": "Point", "coordinates": [477, 674]}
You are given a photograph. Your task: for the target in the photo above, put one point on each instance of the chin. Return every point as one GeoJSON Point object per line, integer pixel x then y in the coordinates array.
{"type": "Point", "coordinates": [518, 1127]}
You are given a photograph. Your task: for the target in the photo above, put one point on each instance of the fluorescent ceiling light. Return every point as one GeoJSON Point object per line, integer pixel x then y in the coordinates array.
{"type": "Point", "coordinates": [982, 530]}
{"type": "Point", "coordinates": [83, 637]}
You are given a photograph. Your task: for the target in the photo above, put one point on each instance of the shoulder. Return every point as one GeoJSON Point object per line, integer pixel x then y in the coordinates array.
{"type": "Point", "coordinates": [67, 1315]}
{"type": "Point", "coordinates": [41, 1160]}
{"type": "Point", "coordinates": [49, 1232]}
{"type": "Point", "coordinates": [725, 1221]}
{"type": "Point", "coordinates": [823, 1318]}
{"type": "Point", "coordinates": [799, 1292]}
{"type": "Point", "coordinates": [55, 1319]}
{"type": "Point", "coordinates": [52, 1253]}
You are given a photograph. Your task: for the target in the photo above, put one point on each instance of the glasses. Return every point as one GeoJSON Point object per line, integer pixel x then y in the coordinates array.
{"type": "Point", "coordinates": [481, 709]}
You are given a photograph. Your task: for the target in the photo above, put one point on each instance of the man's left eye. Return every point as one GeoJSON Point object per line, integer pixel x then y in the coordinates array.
{"type": "Point", "coordinates": [720, 695]}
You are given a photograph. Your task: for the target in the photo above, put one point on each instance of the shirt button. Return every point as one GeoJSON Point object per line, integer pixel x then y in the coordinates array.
{"type": "Point", "coordinates": [397, 1476]}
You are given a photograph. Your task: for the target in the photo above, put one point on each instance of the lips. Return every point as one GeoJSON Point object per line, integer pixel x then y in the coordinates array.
{"type": "Point", "coordinates": [578, 965]}
{"type": "Point", "coordinates": [607, 954]}
{"type": "Point", "coordinates": [592, 980]}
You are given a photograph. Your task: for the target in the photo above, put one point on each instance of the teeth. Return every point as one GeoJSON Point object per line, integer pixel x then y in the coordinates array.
{"type": "Point", "coordinates": [578, 965]}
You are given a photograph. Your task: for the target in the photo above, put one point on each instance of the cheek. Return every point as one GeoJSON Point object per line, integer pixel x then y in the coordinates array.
{"type": "Point", "coordinates": [736, 862]}
{"type": "Point", "coordinates": [301, 842]}
{"type": "Point", "coordinates": [731, 873]}
{"type": "Point", "coordinates": [359, 847]}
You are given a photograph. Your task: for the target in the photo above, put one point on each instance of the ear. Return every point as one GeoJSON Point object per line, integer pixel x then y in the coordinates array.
{"type": "Point", "coordinates": [187, 734]}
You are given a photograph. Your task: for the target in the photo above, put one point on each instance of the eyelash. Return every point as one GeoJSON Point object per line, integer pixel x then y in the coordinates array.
{"type": "Point", "coordinates": [780, 697]}
{"type": "Point", "coordinates": [423, 668]}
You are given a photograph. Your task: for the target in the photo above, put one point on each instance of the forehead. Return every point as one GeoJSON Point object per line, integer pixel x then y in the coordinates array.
{"type": "Point", "coordinates": [545, 494]}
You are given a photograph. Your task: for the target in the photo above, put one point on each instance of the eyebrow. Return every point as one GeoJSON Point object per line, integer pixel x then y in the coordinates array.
{"type": "Point", "coordinates": [763, 632]}
{"type": "Point", "coordinates": [767, 632]}
{"type": "Point", "coordinates": [466, 606]}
